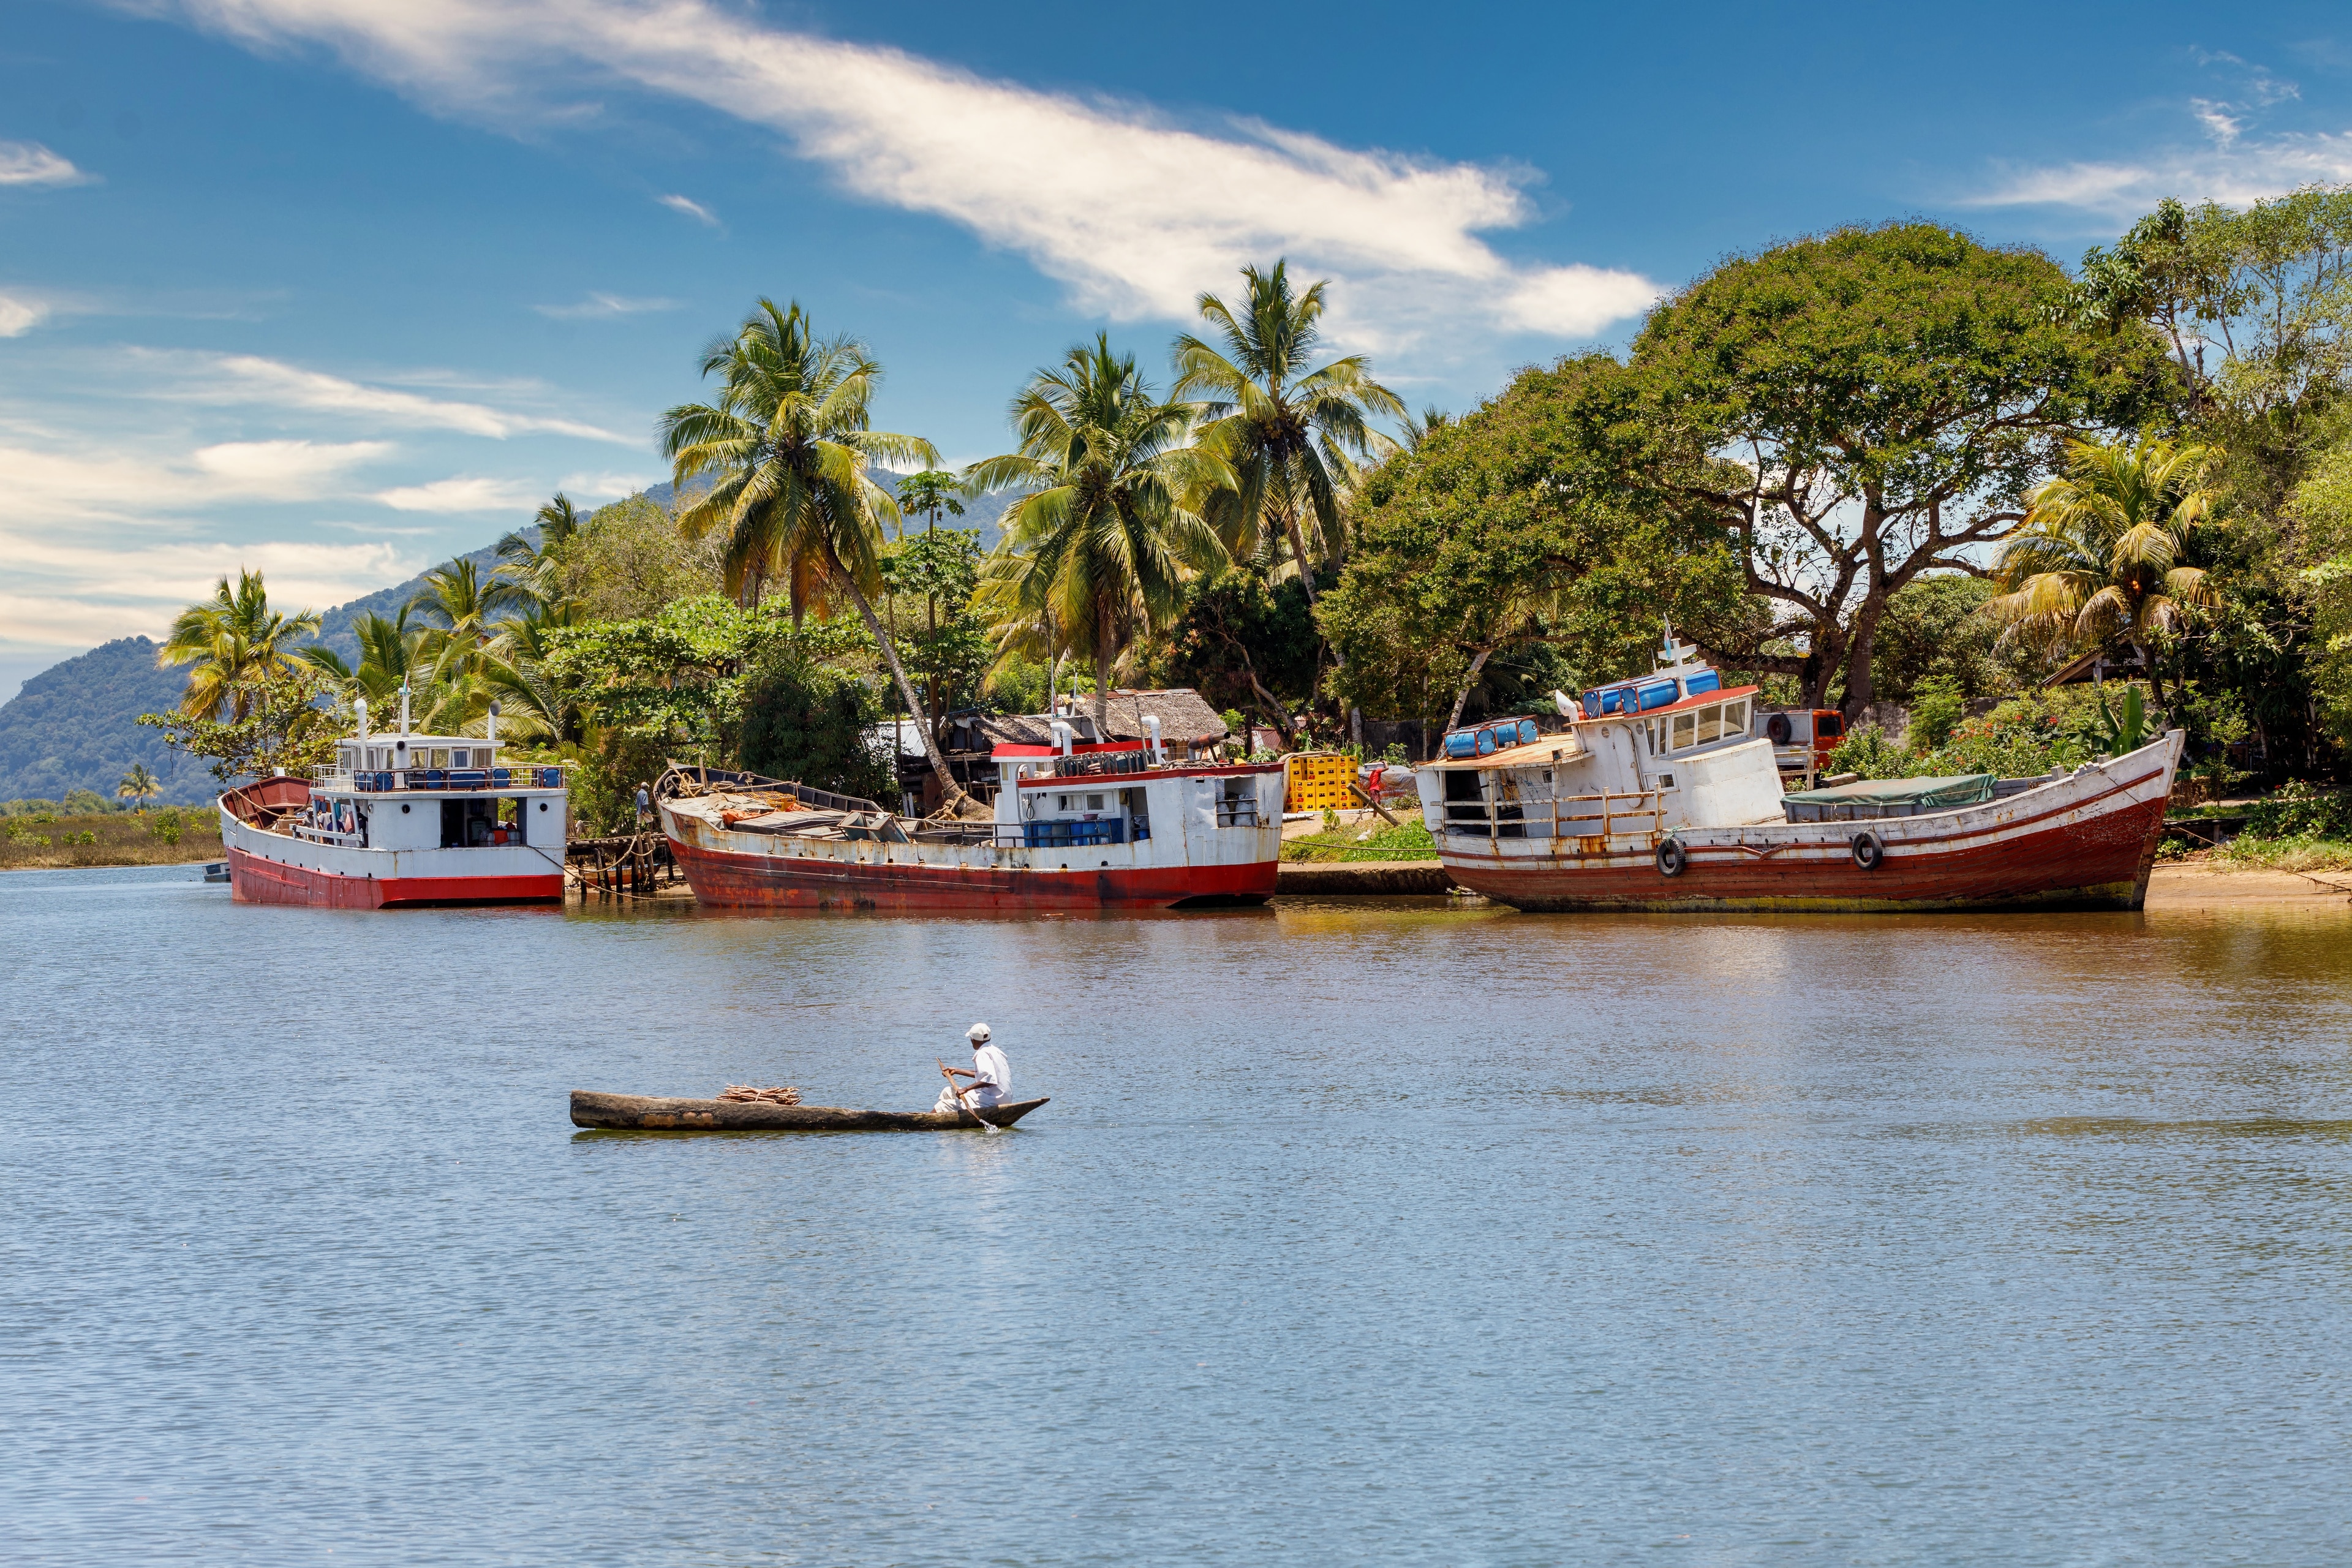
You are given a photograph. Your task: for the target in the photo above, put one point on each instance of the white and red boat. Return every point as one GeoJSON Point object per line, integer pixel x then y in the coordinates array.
{"type": "Point", "coordinates": [1659, 795]}
{"type": "Point", "coordinates": [1079, 825]}
{"type": "Point", "coordinates": [399, 819]}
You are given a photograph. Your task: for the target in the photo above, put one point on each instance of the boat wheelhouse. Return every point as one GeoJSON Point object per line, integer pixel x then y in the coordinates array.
{"type": "Point", "coordinates": [400, 819]}
{"type": "Point", "coordinates": [1082, 823]}
{"type": "Point", "coordinates": [1659, 793]}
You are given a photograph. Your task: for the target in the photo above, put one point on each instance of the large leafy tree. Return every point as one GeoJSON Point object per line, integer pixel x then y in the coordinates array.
{"type": "Point", "coordinates": [1099, 548]}
{"type": "Point", "coordinates": [2103, 557]}
{"type": "Point", "coordinates": [1862, 407]}
{"type": "Point", "coordinates": [233, 641]}
{"type": "Point", "coordinates": [1516, 529]}
{"type": "Point", "coordinates": [788, 441]}
{"type": "Point", "coordinates": [1290, 430]}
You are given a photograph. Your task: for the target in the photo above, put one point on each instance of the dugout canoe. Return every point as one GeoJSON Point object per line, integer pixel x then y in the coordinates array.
{"type": "Point", "coordinates": [643, 1113]}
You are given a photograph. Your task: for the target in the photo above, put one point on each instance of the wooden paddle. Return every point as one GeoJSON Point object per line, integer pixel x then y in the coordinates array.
{"type": "Point", "coordinates": [948, 1073]}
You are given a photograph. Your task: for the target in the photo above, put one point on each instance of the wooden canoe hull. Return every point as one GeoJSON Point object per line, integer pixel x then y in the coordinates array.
{"type": "Point", "coordinates": [640, 1112]}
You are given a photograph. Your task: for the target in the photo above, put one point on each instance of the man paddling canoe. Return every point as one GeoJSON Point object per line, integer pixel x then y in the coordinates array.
{"type": "Point", "coordinates": [990, 1074]}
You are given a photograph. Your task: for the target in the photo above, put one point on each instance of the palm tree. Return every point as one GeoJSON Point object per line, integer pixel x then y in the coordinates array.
{"type": "Point", "coordinates": [459, 610]}
{"type": "Point", "coordinates": [532, 567]}
{"type": "Point", "coordinates": [234, 640]}
{"type": "Point", "coordinates": [392, 654]}
{"type": "Point", "coordinates": [1287, 431]}
{"type": "Point", "coordinates": [1101, 544]}
{"type": "Point", "coordinates": [789, 439]}
{"type": "Point", "coordinates": [2099, 557]}
{"type": "Point", "coordinates": [139, 786]}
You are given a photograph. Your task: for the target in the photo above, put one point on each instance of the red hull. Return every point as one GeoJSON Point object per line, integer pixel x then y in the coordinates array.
{"type": "Point", "coordinates": [760, 882]}
{"type": "Point", "coordinates": [254, 881]}
{"type": "Point", "coordinates": [2101, 863]}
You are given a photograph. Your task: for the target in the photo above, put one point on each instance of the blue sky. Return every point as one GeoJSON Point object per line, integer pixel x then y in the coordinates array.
{"type": "Point", "coordinates": [336, 287]}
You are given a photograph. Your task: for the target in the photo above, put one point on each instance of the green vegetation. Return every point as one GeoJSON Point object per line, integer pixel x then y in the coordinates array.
{"type": "Point", "coordinates": [1370, 840]}
{"type": "Point", "coordinates": [165, 838]}
{"type": "Point", "coordinates": [1880, 466]}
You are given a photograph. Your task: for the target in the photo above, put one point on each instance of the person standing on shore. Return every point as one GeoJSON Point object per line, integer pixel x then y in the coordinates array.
{"type": "Point", "coordinates": [644, 804]}
{"type": "Point", "coordinates": [990, 1074]}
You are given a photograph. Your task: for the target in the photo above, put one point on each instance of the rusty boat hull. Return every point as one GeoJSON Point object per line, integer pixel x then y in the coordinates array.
{"type": "Point", "coordinates": [652, 1114]}
{"type": "Point", "coordinates": [2086, 840]}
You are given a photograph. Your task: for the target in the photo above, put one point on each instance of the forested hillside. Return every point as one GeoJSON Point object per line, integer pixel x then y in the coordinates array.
{"type": "Point", "coordinates": [75, 726]}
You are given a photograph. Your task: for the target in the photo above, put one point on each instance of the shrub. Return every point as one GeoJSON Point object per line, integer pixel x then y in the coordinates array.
{"type": "Point", "coordinates": [2301, 809]}
{"type": "Point", "coordinates": [168, 824]}
{"type": "Point", "coordinates": [807, 721]}
{"type": "Point", "coordinates": [1936, 709]}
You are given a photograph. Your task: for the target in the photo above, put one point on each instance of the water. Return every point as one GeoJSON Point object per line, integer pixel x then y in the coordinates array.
{"type": "Point", "coordinates": [1406, 1236]}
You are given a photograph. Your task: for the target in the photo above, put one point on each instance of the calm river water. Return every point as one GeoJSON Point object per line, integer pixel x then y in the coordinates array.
{"type": "Point", "coordinates": [1406, 1236]}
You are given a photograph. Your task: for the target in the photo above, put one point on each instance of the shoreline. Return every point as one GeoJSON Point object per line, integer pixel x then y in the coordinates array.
{"type": "Point", "coordinates": [2170, 887]}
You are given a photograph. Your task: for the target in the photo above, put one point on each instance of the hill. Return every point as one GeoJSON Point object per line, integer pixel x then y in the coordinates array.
{"type": "Point", "coordinates": [75, 726]}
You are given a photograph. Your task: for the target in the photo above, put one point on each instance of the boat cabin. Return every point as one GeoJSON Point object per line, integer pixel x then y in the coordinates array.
{"type": "Point", "coordinates": [430, 792]}
{"type": "Point", "coordinates": [1669, 749]}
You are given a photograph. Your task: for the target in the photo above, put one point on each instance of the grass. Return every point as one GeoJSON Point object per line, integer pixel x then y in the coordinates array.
{"type": "Point", "coordinates": [111, 838]}
{"type": "Point", "coordinates": [2246, 853]}
{"type": "Point", "coordinates": [1410, 842]}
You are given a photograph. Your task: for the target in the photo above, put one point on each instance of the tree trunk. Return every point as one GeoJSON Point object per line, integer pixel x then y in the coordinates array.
{"type": "Point", "coordinates": [1102, 670]}
{"type": "Point", "coordinates": [1462, 699]}
{"type": "Point", "coordinates": [950, 792]}
{"type": "Point", "coordinates": [1860, 649]}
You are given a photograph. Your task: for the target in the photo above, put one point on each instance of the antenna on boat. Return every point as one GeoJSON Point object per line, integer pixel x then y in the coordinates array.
{"type": "Point", "coordinates": [403, 705]}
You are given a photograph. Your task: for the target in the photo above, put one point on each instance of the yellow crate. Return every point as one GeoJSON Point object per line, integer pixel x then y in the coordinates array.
{"type": "Point", "coordinates": [1318, 781]}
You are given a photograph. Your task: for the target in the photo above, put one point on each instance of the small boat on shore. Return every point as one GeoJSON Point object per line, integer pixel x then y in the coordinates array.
{"type": "Point", "coordinates": [643, 1114]}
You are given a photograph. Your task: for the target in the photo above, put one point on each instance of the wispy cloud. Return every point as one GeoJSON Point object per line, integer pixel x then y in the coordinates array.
{"type": "Point", "coordinates": [251, 379]}
{"type": "Point", "coordinates": [19, 316]}
{"type": "Point", "coordinates": [459, 495]}
{"type": "Point", "coordinates": [2235, 163]}
{"type": "Point", "coordinates": [598, 306]}
{"type": "Point", "coordinates": [691, 209]}
{"type": "Point", "coordinates": [30, 163]}
{"type": "Point", "coordinates": [60, 483]}
{"type": "Point", "coordinates": [111, 591]}
{"type": "Point", "coordinates": [1134, 211]}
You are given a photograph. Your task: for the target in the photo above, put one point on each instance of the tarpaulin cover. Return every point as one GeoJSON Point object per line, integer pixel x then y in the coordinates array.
{"type": "Point", "coordinates": [1963, 789]}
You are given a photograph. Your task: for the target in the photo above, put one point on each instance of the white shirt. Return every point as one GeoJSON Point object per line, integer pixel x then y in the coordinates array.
{"type": "Point", "coordinates": [994, 1086]}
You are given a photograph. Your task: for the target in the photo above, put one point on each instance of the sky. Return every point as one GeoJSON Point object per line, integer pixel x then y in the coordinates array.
{"type": "Point", "coordinates": [336, 289]}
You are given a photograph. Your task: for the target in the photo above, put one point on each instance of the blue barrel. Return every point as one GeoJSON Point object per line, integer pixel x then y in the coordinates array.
{"type": "Point", "coordinates": [1592, 708]}
{"type": "Point", "coordinates": [1527, 732]}
{"type": "Point", "coordinates": [1704, 681]}
{"type": "Point", "coordinates": [1657, 694]}
{"type": "Point", "coordinates": [1462, 743]}
{"type": "Point", "coordinates": [1485, 739]}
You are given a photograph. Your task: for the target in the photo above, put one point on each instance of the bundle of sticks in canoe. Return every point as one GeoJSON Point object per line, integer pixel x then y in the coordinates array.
{"type": "Point", "coordinates": [743, 1092]}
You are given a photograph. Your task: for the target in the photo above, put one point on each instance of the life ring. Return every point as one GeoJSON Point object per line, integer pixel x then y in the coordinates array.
{"type": "Point", "coordinates": [1672, 857]}
{"type": "Point", "coordinates": [1869, 851]}
{"type": "Point", "coordinates": [1777, 729]}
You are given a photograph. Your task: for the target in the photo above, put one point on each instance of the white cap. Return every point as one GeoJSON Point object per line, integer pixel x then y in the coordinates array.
{"type": "Point", "coordinates": [977, 1033]}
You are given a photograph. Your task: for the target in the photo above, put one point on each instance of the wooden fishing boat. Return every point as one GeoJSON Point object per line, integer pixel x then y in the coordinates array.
{"type": "Point", "coordinates": [643, 1113]}
{"type": "Point", "coordinates": [1661, 796]}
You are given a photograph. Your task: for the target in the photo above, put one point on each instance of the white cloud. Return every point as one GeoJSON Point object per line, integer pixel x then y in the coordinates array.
{"type": "Point", "coordinates": [691, 209]}
{"type": "Point", "coordinates": [19, 317]}
{"type": "Point", "coordinates": [61, 484]}
{"type": "Point", "coordinates": [251, 379]}
{"type": "Point", "coordinates": [604, 305]}
{"type": "Point", "coordinates": [30, 163]}
{"type": "Point", "coordinates": [2233, 170]}
{"type": "Point", "coordinates": [459, 495]}
{"type": "Point", "coordinates": [112, 590]}
{"type": "Point", "coordinates": [1135, 212]}
{"type": "Point", "coordinates": [607, 487]}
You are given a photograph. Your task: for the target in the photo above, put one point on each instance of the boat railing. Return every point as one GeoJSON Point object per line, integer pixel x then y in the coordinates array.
{"type": "Point", "coordinates": [1100, 765]}
{"type": "Point", "coordinates": [441, 781]}
{"type": "Point", "coordinates": [1603, 816]}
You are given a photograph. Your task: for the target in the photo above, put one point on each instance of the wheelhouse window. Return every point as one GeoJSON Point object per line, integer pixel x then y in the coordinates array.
{"type": "Point", "coordinates": [1685, 731]}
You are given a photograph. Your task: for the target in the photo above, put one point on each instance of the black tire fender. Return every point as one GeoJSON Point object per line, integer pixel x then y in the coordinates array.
{"type": "Point", "coordinates": [1672, 857]}
{"type": "Point", "coordinates": [1869, 851]}
{"type": "Point", "coordinates": [1777, 729]}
